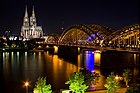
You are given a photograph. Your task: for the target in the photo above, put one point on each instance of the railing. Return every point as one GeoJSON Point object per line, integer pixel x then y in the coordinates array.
{"type": "Point", "coordinates": [132, 48]}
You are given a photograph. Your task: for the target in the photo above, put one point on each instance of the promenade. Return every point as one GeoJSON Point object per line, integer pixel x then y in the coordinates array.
{"type": "Point", "coordinates": [122, 90]}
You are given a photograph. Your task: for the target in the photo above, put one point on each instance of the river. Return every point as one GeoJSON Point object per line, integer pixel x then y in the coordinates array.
{"type": "Point", "coordinates": [18, 67]}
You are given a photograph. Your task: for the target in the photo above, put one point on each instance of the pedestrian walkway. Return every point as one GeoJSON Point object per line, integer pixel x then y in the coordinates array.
{"type": "Point", "coordinates": [122, 90]}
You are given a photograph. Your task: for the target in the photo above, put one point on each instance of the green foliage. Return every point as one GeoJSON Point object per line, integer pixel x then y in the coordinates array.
{"type": "Point", "coordinates": [77, 83]}
{"type": "Point", "coordinates": [112, 83]}
{"type": "Point", "coordinates": [127, 75]}
{"type": "Point", "coordinates": [89, 77]}
{"type": "Point", "coordinates": [95, 77]}
{"type": "Point", "coordinates": [133, 90]}
{"type": "Point", "coordinates": [41, 86]}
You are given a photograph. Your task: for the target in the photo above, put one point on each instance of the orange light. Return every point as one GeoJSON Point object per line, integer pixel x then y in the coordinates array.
{"type": "Point", "coordinates": [26, 83]}
{"type": "Point", "coordinates": [97, 51]}
{"type": "Point", "coordinates": [117, 77]}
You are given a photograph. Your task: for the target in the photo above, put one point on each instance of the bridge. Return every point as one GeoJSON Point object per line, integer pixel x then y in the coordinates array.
{"type": "Point", "coordinates": [100, 37]}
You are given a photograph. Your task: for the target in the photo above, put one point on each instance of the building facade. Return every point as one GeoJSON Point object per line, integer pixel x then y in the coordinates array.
{"type": "Point", "coordinates": [29, 29]}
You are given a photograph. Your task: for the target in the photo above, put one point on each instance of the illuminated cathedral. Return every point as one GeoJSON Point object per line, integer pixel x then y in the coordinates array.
{"type": "Point", "coordinates": [29, 29]}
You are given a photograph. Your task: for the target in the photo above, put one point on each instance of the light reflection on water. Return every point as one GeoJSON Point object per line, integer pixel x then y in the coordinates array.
{"type": "Point", "coordinates": [91, 60]}
{"type": "Point", "coordinates": [21, 66]}
{"type": "Point", "coordinates": [18, 67]}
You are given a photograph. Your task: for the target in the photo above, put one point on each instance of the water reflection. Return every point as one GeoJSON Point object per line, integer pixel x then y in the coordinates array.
{"type": "Point", "coordinates": [61, 71]}
{"type": "Point", "coordinates": [90, 59]}
{"type": "Point", "coordinates": [110, 62]}
{"type": "Point", "coordinates": [21, 66]}
{"type": "Point", "coordinates": [6, 64]}
{"type": "Point", "coordinates": [97, 58]}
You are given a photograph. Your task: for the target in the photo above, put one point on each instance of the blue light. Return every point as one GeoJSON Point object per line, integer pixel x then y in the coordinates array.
{"type": "Point", "coordinates": [90, 38]}
{"type": "Point", "coordinates": [89, 61]}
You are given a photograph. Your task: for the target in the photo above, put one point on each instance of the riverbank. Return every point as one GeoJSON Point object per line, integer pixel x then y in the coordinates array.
{"type": "Point", "coordinates": [122, 90]}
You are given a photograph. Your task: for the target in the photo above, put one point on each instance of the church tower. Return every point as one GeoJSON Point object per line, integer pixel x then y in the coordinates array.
{"type": "Point", "coordinates": [26, 19]}
{"type": "Point", "coordinates": [33, 18]}
{"type": "Point", "coordinates": [25, 28]}
{"type": "Point", "coordinates": [29, 29]}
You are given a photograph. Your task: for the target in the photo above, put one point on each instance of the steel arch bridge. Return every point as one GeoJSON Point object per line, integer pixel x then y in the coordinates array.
{"type": "Point", "coordinates": [85, 34]}
{"type": "Point", "coordinates": [52, 39]}
{"type": "Point", "coordinates": [98, 35]}
{"type": "Point", "coordinates": [126, 37]}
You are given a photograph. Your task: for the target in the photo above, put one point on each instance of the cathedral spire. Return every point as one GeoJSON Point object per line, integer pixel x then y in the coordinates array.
{"type": "Point", "coordinates": [26, 19]}
{"type": "Point", "coordinates": [29, 28]}
{"type": "Point", "coordinates": [33, 18]}
{"type": "Point", "coordinates": [26, 13]}
{"type": "Point", "coordinates": [33, 12]}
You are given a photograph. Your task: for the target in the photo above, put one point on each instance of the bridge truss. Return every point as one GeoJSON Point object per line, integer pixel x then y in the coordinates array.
{"type": "Point", "coordinates": [99, 35]}
{"type": "Point", "coordinates": [84, 34]}
{"type": "Point", "coordinates": [126, 37]}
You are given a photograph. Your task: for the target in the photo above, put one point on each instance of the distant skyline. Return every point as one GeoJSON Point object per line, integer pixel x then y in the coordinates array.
{"type": "Point", "coordinates": [52, 14]}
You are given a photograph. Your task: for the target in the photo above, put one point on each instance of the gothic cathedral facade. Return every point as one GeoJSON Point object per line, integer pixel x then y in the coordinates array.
{"type": "Point", "coordinates": [29, 29]}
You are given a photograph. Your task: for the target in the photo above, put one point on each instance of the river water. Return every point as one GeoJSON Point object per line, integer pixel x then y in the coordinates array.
{"type": "Point", "coordinates": [18, 67]}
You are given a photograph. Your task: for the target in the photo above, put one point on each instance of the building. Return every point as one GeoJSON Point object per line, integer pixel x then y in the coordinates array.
{"type": "Point", "coordinates": [29, 29]}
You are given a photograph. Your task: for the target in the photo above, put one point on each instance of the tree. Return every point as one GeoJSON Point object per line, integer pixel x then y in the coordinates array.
{"type": "Point", "coordinates": [90, 77]}
{"type": "Point", "coordinates": [127, 75]}
{"type": "Point", "coordinates": [95, 78]}
{"type": "Point", "coordinates": [41, 86]}
{"type": "Point", "coordinates": [77, 83]}
{"type": "Point", "coordinates": [134, 89]}
{"type": "Point", "coordinates": [87, 76]}
{"type": "Point", "coordinates": [112, 83]}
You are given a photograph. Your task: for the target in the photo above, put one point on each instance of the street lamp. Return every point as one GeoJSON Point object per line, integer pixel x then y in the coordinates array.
{"type": "Point", "coordinates": [118, 78]}
{"type": "Point", "coordinates": [26, 85]}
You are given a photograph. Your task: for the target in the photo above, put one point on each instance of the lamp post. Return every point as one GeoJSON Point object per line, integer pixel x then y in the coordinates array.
{"type": "Point", "coordinates": [26, 85]}
{"type": "Point", "coordinates": [118, 78]}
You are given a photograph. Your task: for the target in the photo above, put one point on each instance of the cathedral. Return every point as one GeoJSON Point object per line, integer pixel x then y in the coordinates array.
{"type": "Point", "coordinates": [29, 29]}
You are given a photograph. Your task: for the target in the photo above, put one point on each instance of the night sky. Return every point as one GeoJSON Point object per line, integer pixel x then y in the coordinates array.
{"type": "Point", "coordinates": [52, 14]}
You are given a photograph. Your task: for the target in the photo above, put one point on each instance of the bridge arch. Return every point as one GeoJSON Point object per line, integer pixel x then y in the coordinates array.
{"type": "Point", "coordinates": [52, 39]}
{"type": "Point", "coordinates": [81, 34]}
{"type": "Point", "coordinates": [126, 37]}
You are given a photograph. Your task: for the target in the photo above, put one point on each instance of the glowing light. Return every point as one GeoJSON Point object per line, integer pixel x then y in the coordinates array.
{"type": "Point", "coordinates": [17, 53]}
{"type": "Point", "coordinates": [97, 51]}
{"type": "Point", "coordinates": [66, 91]}
{"type": "Point", "coordinates": [92, 71]}
{"type": "Point", "coordinates": [12, 56]}
{"type": "Point", "coordinates": [25, 53]}
{"type": "Point", "coordinates": [97, 57]}
{"type": "Point", "coordinates": [101, 41]}
{"type": "Point", "coordinates": [78, 49]}
{"type": "Point", "coordinates": [110, 42]}
{"type": "Point", "coordinates": [89, 60]}
{"type": "Point", "coordinates": [26, 83]}
{"type": "Point", "coordinates": [26, 19]}
{"type": "Point", "coordinates": [117, 77]}
{"type": "Point", "coordinates": [55, 49]}
{"type": "Point", "coordinates": [39, 46]}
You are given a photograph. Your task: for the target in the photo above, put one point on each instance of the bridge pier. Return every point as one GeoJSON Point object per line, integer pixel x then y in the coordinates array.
{"type": "Point", "coordinates": [68, 52]}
